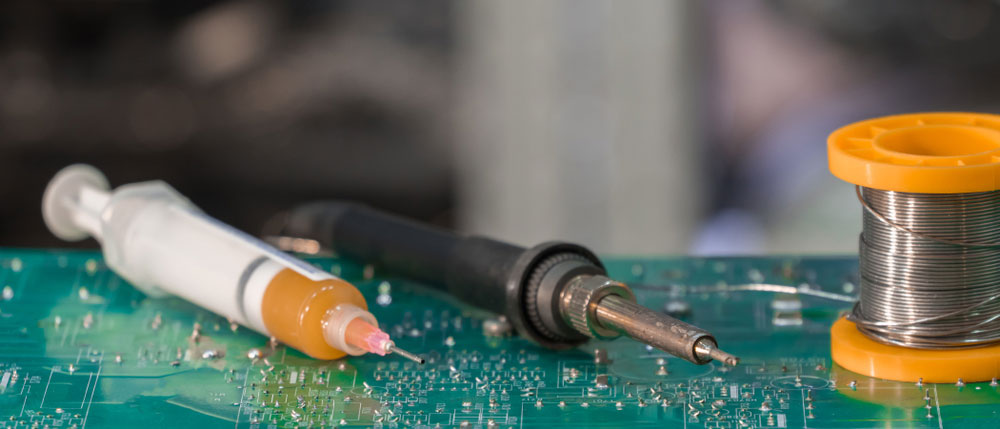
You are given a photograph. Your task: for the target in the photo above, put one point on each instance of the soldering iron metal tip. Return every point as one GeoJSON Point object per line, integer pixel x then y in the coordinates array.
{"type": "Point", "coordinates": [406, 354]}
{"type": "Point", "coordinates": [707, 349]}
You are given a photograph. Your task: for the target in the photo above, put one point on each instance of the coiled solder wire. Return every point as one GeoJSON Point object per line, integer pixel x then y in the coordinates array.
{"type": "Point", "coordinates": [930, 269]}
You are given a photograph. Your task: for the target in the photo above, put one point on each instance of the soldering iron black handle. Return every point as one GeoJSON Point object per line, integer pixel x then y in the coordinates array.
{"type": "Point", "coordinates": [469, 267]}
{"type": "Point", "coordinates": [521, 283]}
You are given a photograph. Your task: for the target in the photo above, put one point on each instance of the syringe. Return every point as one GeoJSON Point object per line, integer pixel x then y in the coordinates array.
{"type": "Point", "coordinates": [160, 242]}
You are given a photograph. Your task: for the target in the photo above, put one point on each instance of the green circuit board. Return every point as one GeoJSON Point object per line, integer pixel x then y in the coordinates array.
{"type": "Point", "coordinates": [80, 347]}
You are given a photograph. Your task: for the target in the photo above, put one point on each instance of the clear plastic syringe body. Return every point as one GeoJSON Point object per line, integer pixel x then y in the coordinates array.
{"type": "Point", "coordinates": [159, 241]}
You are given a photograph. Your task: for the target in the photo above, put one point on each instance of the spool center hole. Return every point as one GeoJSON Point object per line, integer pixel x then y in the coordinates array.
{"type": "Point", "coordinates": [939, 140]}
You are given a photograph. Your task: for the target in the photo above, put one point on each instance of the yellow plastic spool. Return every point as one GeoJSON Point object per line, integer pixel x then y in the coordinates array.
{"type": "Point", "coordinates": [931, 153]}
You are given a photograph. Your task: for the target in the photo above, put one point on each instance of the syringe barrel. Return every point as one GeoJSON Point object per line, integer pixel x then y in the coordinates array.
{"type": "Point", "coordinates": [156, 239]}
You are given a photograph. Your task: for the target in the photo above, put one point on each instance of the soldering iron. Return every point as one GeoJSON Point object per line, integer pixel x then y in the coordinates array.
{"type": "Point", "coordinates": [556, 294]}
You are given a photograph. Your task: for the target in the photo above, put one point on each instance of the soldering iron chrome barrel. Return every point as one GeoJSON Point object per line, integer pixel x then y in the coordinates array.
{"type": "Point", "coordinates": [602, 308]}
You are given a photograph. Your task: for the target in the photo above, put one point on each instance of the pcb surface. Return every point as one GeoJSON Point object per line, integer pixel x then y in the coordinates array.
{"type": "Point", "coordinates": [80, 347]}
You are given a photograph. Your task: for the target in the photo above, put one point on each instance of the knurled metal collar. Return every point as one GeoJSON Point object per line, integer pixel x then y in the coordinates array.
{"type": "Point", "coordinates": [579, 303]}
{"type": "Point", "coordinates": [531, 298]}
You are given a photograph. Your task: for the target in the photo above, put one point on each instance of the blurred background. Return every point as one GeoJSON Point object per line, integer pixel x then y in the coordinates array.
{"type": "Point", "coordinates": [635, 127]}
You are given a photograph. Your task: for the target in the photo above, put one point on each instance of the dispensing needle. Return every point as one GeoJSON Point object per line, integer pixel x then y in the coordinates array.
{"type": "Point", "coordinates": [556, 294]}
{"type": "Point", "coordinates": [157, 240]}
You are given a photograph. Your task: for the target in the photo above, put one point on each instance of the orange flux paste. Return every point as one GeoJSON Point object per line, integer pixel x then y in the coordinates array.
{"type": "Point", "coordinates": [294, 307]}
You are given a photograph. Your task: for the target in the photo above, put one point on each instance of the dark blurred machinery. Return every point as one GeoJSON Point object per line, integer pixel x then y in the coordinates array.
{"type": "Point", "coordinates": [245, 106]}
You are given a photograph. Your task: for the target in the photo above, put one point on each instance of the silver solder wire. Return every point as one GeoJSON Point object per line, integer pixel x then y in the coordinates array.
{"type": "Point", "coordinates": [930, 269]}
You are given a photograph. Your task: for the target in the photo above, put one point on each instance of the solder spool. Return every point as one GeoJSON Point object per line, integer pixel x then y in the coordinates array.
{"type": "Point", "coordinates": [930, 251]}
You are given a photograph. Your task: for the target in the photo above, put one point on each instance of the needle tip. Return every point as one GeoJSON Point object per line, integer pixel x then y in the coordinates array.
{"type": "Point", "coordinates": [406, 354]}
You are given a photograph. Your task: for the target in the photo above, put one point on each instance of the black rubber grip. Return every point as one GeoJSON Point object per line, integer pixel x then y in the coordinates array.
{"type": "Point", "coordinates": [473, 269]}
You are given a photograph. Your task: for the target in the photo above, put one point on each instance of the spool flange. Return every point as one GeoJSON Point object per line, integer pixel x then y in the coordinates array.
{"type": "Point", "coordinates": [931, 153]}
{"type": "Point", "coordinates": [854, 351]}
